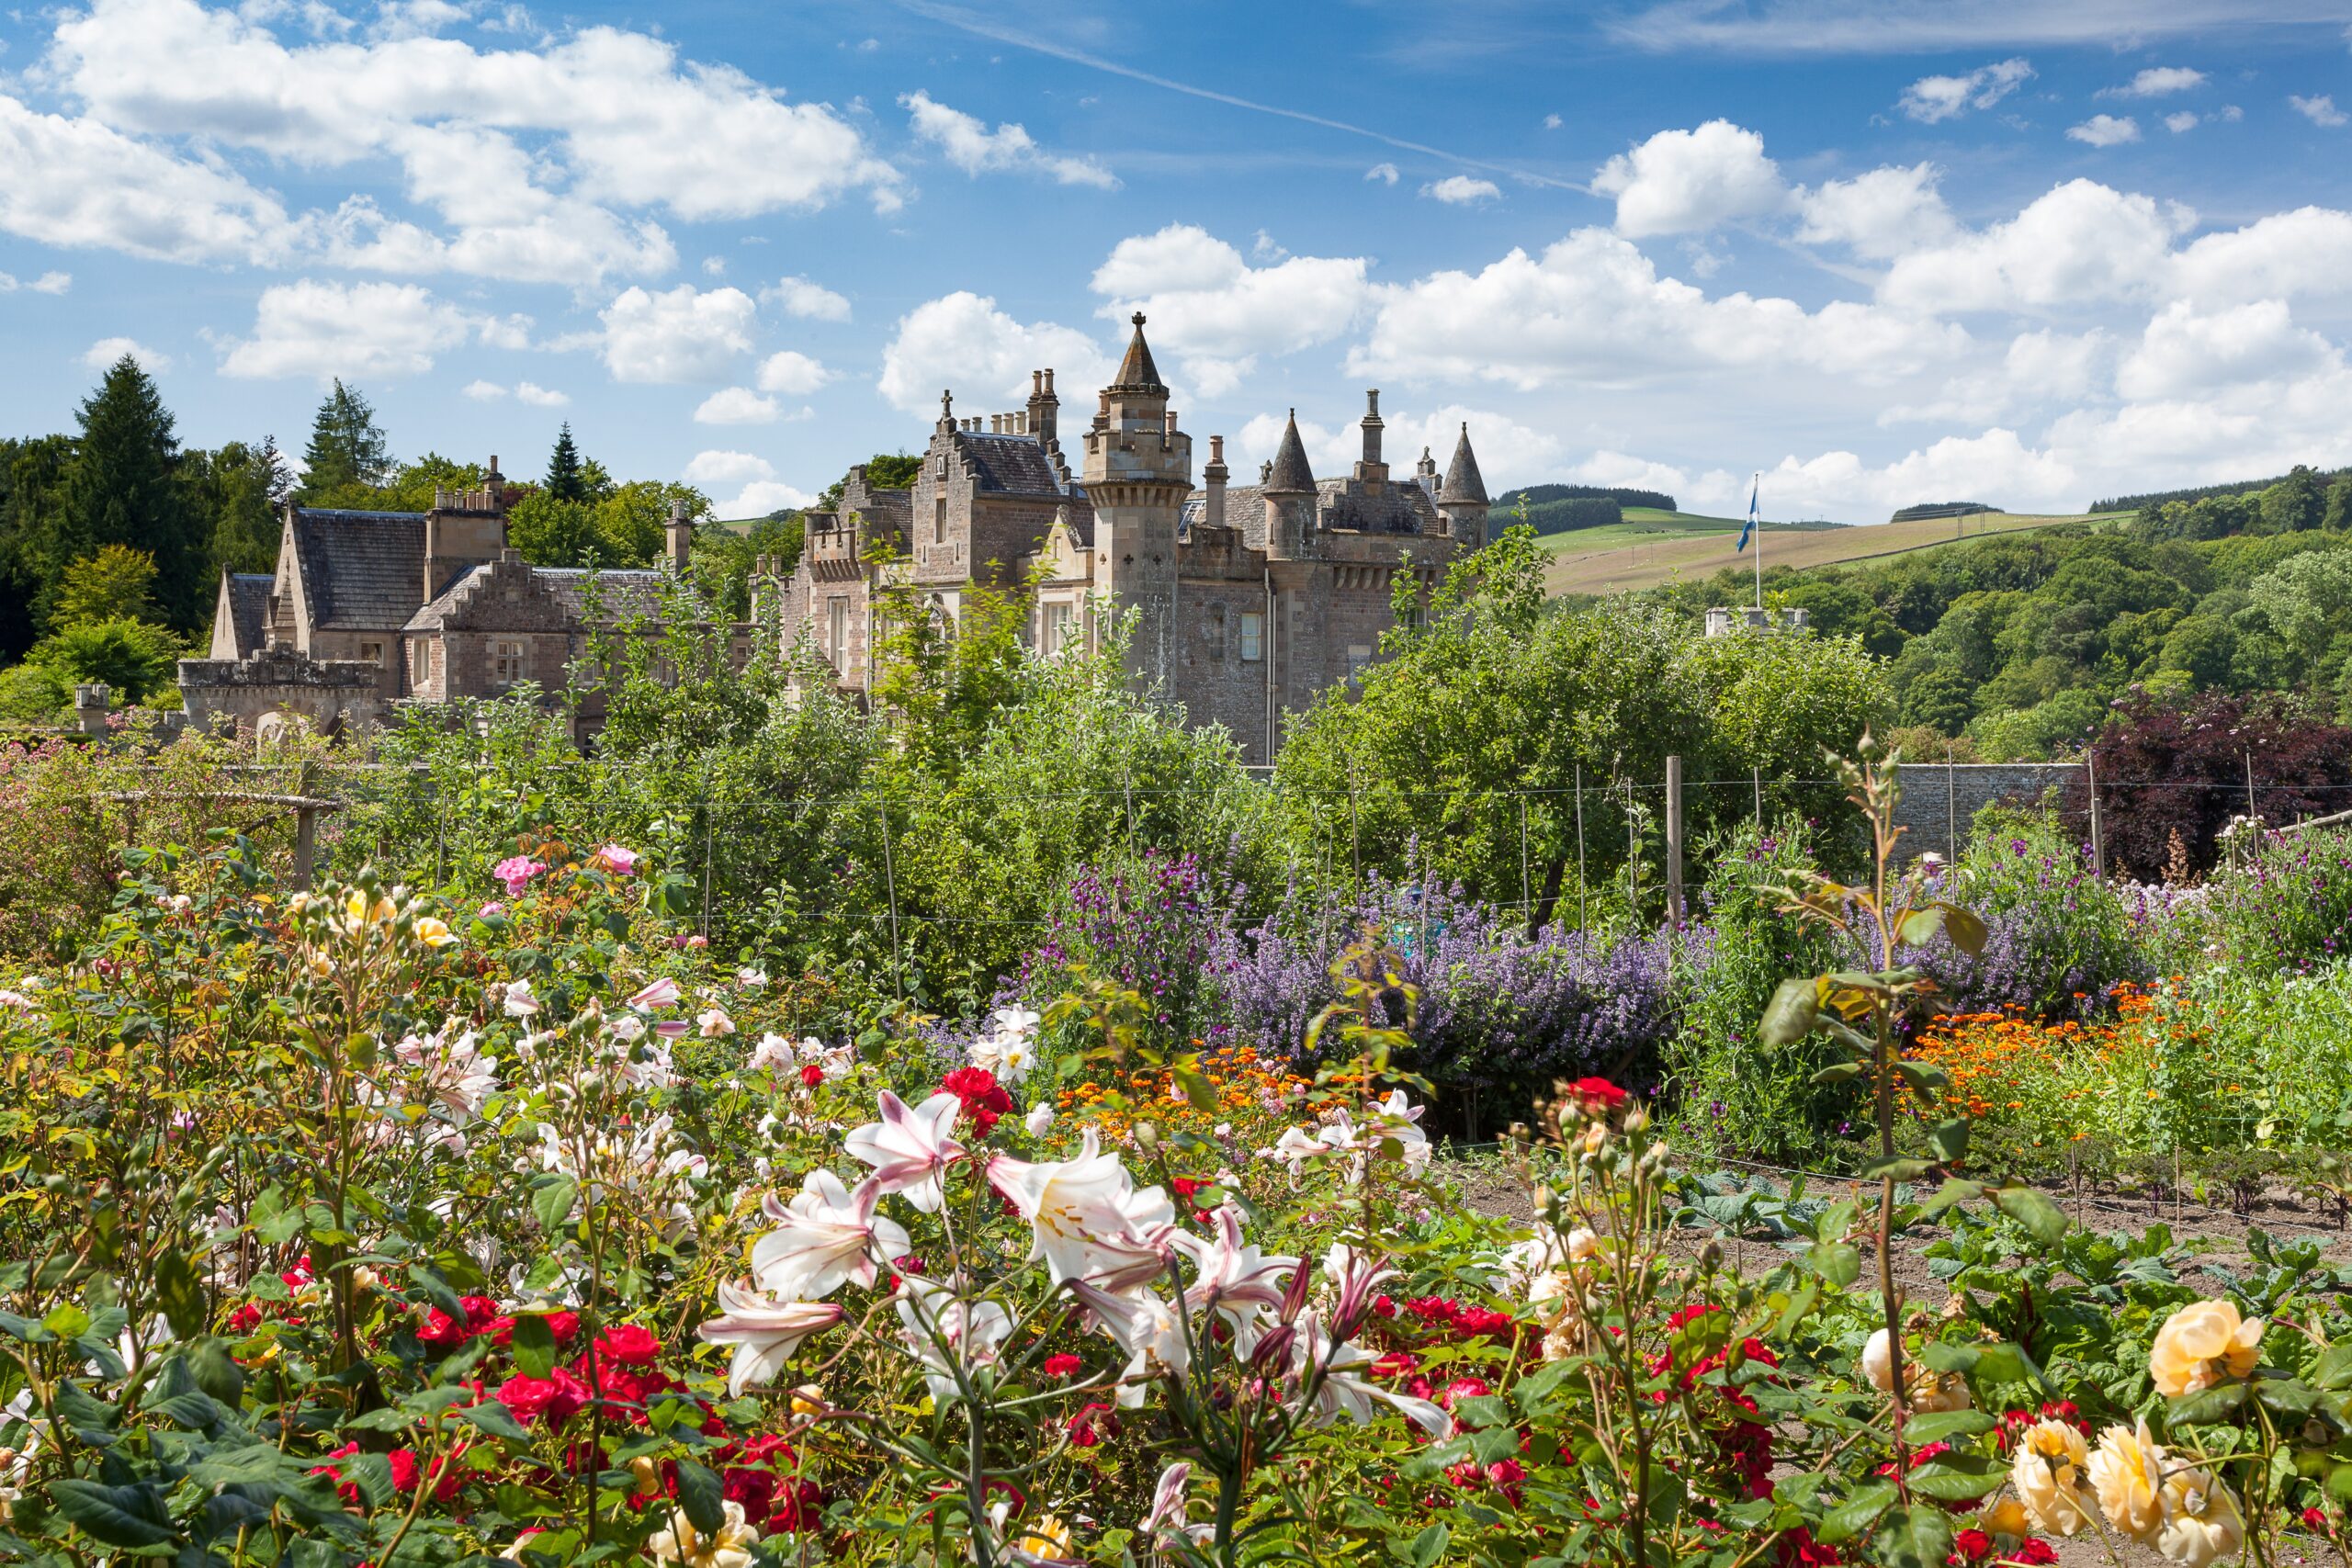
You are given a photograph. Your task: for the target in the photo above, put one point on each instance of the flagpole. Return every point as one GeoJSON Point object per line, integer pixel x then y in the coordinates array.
{"type": "Point", "coordinates": [1752, 495]}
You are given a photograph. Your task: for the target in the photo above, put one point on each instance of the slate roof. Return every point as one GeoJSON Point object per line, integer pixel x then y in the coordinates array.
{"type": "Point", "coordinates": [1463, 481]}
{"type": "Point", "coordinates": [249, 608]}
{"type": "Point", "coordinates": [1397, 509]}
{"type": "Point", "coordinates": [1012, 465]}
{"type": "Point", "coordinates": [361, 570]}
{"type": "Point", "coordinates": [1245, 508]}
{"type": "Point", "coordinates": [890, 511]}
{"type": "Point", "coordinates": [622, 595]}
{"type": "Point", "coordinates": [1291, 474]}
{"type": "Point", "coordinates": [1137, 372]}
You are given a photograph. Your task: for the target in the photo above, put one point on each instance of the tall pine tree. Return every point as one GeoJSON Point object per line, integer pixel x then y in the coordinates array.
{"type": "Point", "coordinates": [123, 489]}
{"type": "Point", "coordinates": [566, 480]}
{"type": "Point", "coordinates": [347, 448]}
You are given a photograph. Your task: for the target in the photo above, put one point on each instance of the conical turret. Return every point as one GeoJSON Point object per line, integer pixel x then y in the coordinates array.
{"type": "Point", "coordinates": [1291, 474]}
{"type": "Point", "coordinates": [1461, 500]}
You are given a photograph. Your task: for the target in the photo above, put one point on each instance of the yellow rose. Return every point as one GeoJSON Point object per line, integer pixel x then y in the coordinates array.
{"type": "Point", "coordinates": [2201, 1344]}
{"type": "Point", "coordinates": [1048, 1538]}
{"type": "Point", "coordinates": [2048, 1473]}
{"type": "Point", "coordinates": [1878, 1362]}
{"type": "Point", "coordinates": [2127, 1471]}
{"type": "Point", "coordinates": [2201, 1522]}
{"type": "Point", "coordinates": [2006, 1517]}
{"type": "Point", "coordinates": [432, 932]}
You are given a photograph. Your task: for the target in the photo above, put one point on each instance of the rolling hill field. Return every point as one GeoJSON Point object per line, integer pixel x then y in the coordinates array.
{"type": "Point", "coordinates": [1651, 548]}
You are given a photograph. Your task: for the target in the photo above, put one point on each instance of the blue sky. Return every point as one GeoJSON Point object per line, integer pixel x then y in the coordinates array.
{"type": "Point", "coordinates": [1885, 251]}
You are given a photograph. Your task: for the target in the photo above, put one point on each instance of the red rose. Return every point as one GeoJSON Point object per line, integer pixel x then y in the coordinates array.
{"type": "Point", "coordinates": [1971, 1546]}
{"type": "Point", "coordinates": [2315, 1519]}
{"type": "Point", "coordinates": [1062, 1365]}
{"type": "Point", "coordinates": [1596, 1095]}
{"type": "Point", "coordinates": [348, 1490]}
{"type": "Point", "coordinates": [984, 1100]}
{"type": "Point", "coordinates": [2034, 1551]}
{"type": "Point", "coordinates": [1091, 1424]}
{"type": "Point", "coordinates": [551, 1400]}
{"type": "Point", "coordinates": [447, 1476]}
{"type": "Point", "coordinates": [812, 1075]}
{"type": "Point", "coordinates": [630, 1344]}
{"type": "Point", "coordinates": [797, 1505]}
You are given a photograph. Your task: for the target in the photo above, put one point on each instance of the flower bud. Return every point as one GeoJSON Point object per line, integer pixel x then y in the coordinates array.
{"type": "Point", "coordinates": [1710, 1257]}
{"type": "Point", "coordinates": [1147, 1137]}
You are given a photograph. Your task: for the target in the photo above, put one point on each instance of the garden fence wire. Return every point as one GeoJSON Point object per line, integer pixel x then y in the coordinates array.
{"type": "Point", "coordinates": [369, 807]}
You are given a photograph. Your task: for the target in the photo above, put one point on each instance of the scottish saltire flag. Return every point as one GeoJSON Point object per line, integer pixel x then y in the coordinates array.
{"type": "Point", "coordinates": [1749, 527]}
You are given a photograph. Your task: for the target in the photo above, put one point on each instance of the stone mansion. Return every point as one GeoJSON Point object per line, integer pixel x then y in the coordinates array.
{"type": "Point", "coordinates": [1248, 600]}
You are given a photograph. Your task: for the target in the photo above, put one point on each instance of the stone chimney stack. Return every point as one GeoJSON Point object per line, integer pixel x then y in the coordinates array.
{"type": "Point", "coordinates": [1426, 471]}
{"type": "Point", "coordinates": [1372, 467]}
{"type": "Point", "coordinates": [679, 535]}
{"type": "Point", "coordinates": [1043, 406]}
{"type": "Point", "coordinates": [1215, 475]}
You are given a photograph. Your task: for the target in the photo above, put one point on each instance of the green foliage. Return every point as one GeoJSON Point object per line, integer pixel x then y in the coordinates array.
{"type": "Point", "coordinates": [240, 487]}
{"type": "Point", "coordinates": [32, 694]}
{"type": "Point", "coordinates": [135, 658]}
{"type": "Point", "coordinates": [622, 528]}
{"type": "Point", "coordinates": [884, 470]}
{"type": "Point", "coordinates": [1471, 739]}
{"type": "Point", "coordinates": [115, 581]}
{"type": "Point", "coordinates": [723, 557]}
{"type": "Point", "coordinates": [123, 489]}
{"type": "Point", "coordinates": [565, 481]}
{"type": "Point", "coordinates": [1725, 1103]}
{"type": "Point", "coordinates": [347, 448]}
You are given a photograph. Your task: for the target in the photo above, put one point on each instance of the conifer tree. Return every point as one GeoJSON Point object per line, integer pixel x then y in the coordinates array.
{"type": "Point", "coordinates": [347, 447]}
{"type": "Point", "coordinates": [123, 489]}
{"type": "Point", "coordinates": [566, 482]}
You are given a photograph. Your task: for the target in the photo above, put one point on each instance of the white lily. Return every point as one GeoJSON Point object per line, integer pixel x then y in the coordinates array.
{"type": "Point", "coordinates": [1090, 1221]}
{"type": "Point", "coordinates": [1147, 1328]}
{"type": "Point", "coordinates": [1167, 1516]}
{"type": "Point", "coordinates": [974, 1331]}
{"type": "Point", "coordinates": [910, 1149]}
{"type": "Point", "coordinates": [1344, 1390]}
{"type": "Point", "coordinates": [764, 1331]}
{"type": "Point", "coordinates": [1233, 1277]}
{"type": "Point", "coordinates": [661, 993]}
{"type": "Point", "coordinates": [826, 1236]}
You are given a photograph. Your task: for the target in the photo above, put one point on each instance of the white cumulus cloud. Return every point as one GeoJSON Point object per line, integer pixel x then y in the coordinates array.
{"type": "Point", "coordinates": [681, 334]}
{"type": "Point", "coordinates": [1681, 181]}
{"type": "Point", "coordinates": [2319, 110]}
{"type": "Point", "coordinates": [968, 144]}
{"type": "Point", "coordinates": [1217, 314]}
{"type": "Point", "coordinates": [962, 340]}
{"type": "Point", "coordinates": [810, 301]}
{"type": "Point", "coordinates": [1881, 214]}
{"type": "Point", "coordinates": [1934, 98]}
{"type": "Point", "coordinates": [322, 329]}
{"type": "Point", "coordinates": [737, 405]}
{"type": "Point", "coordinates": [792, 372]}
{"type": "Point", "coordinates": [47, 283]}
{"type": "Point", "coordinates": [107, 350]}
{"type": "Point", "coordinates": [1462, 190]}
{"type": "Point", "coordinates": [1382, 173]}
{"type": "Point", "coordinates": [2158, 81]}
{"type": "Point", "coordinates": [2105, 130]}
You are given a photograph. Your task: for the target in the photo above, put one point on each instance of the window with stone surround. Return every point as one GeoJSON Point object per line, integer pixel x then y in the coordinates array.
{"type": "Point", "coordinates": [506, 662]}
{"type": "Point", "coordinates": [372, 652]}
{"type": "Point", "coordinates": [1359, 655]}
{"type": "Point", "coordinates": [1253, 636]}
{"type": "Point", "coordinates": [939, 521]}
{"type": "Point", "coordinates": [1060, 616]}
{"type": "Point", "coordinates": [1213, 633]}
{"type": "Point", "coordinates": [837, 630]}
{"type": "Point", "coordinates": [420, 663]}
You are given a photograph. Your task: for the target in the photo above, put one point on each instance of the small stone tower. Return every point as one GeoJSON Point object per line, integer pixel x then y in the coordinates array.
{"type": "Point", "coordinates": [1461, 500]}
{"type": "Point", "coordinates": [1137, 471]}
{"type": "Point", "coordinates": [465, 528]}
{"type": "Point", "coordinates": [1288, 487]}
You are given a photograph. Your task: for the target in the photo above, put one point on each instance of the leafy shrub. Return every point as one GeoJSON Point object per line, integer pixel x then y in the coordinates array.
{"type": "Point", "coordinates": [2288, 904]}
{"type": "Point", "coordinates": [2173, 773]}
{"type": "Point", "coordinates": [2059, 940]}
{"type": "Point", "coordinates": [1729, 1096]}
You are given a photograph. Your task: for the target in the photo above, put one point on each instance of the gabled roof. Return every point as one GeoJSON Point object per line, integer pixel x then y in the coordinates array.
{"type": "Point", "coordinates": [621, 595]}
{"type": "Point", "coordinates": [1136, 373]}
{"type": "Point", "coordinates": [249, 608]}
{"type": "Point", "coordinates": [1291, 474]}
{"type": "Point", "coordinates": [1395, 508]}
{"type": "Point", "coordinates": [1463, 483]}
{"type": "Point", "coordinates": [361, 570]}
{"type": "Point", "coordinates": [1012, 465]}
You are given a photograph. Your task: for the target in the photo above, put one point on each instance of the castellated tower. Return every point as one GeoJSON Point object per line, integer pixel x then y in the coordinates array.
{"type": "Point", "coordinates": [1138, 472]}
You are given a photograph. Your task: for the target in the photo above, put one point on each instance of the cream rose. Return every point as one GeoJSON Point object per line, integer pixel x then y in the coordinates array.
{"type": "Point", "coordinates": [2200, 1523]}
{"type": "Point", "coordinates": [1878, 1361]}
{"type": "Point", "coordinates": [2201, 1344]}
{"type": "Point", "coordinates": [2127, 1471]}
{"type": "Point", "coordinates": [2048, 1473]}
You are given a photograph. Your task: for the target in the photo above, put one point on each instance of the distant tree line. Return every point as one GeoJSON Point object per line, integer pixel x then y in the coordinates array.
{"type": "Point", "coordinates": [2197, 492]}
{"type": "Point", "coordinates": [2020, 645]}
{"type": "Point", "coordinates": [1623, 495]}
{"type": "Point", "coordinates": [1940, 509]}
